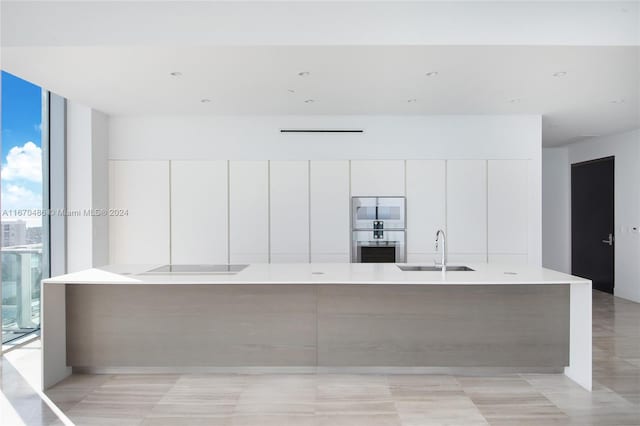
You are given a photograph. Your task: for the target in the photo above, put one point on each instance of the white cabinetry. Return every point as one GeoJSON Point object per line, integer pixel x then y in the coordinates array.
{"type": "Point", "coordinates": [199, 207]}
{"type": "Point", "coordinates": [509, 259]}
{"type": "Point", "coordinates": [141, 188]}
{"type": "Point", "coordinates": [330, 229]}
{"type": "Point", "coordinates": [249, 211]}
{"type": "Point", "coordinates": [467, 210]}
{"type": "Point", "coordinates": [426, 198]}
{"type": "Point", "coordinates": [508, 210]}
{"type": "Point", "coordinates": [299, 211]}
{"type": "Point", "coordinates": [289, 192]}
{"type": "Point", "coordinates": [377, 177]}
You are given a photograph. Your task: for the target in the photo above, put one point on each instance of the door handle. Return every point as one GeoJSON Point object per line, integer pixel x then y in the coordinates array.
{"type": "Point", "coordinates": [609, 241]}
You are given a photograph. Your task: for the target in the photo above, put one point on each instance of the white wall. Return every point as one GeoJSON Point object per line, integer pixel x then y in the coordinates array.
{"type": "Point", "coordinates": [87, 187]}
{"type": "Point", "coordinates": [556, 207]}
{"type": "Point", "coordinates": [625, 147]}
{"type": "Point", "coordinates": [384, 138]}
{"type": "Point", "coordinates": [79, 229]}
{"type": "Point", "coordinates": [100, 185]}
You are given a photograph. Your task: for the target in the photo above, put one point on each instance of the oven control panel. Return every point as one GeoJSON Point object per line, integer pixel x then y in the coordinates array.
{"type": "Point", "coordinates": [378, 226]}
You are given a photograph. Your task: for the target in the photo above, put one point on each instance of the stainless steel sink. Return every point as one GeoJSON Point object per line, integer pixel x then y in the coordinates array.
{"type": "Point", "coordinates": [450, 268]}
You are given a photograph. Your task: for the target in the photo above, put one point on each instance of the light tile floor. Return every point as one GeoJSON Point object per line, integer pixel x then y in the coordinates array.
{"type": "Point", "coordinates": [335, 400]}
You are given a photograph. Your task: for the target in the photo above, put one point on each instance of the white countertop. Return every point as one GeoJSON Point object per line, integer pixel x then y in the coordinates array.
{"type": "Point", "coordinates": [322, 273]}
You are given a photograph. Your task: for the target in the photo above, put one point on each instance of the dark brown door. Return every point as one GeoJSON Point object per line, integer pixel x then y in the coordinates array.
{"type": "Point", "coordinates": [592, 225]}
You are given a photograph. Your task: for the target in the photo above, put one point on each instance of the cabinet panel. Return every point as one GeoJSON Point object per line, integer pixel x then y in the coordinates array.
{"type": "Point", "coordinates": [423, 258]}
{"type": "Point", "coordinates": [467, 206]}
{"type": "Point", "coordinates": [289, 204]}
{"type": "Point", "coordinates": [142, 189]}
{"type": "Point", "coordinates": [330, 230]}
{"type": "Point", "coordinates": [508, 206]}
{"type": "Point", "coordinates": [465, 259]}
{"type": "Point", "coordinates": [452, 258]}
{"type": "Point", "coordinates": [509, 259]}
{"type": "Point", "coordinates": [199, 212]}
{"type": "Point", "coordinates": [377, 177]}
{"type": "Point", "coordinates": [249, 211]}
{"type": "Point", "coordinates": [330, 258]}
{"type": "Point", "coordinates": [426, 199]}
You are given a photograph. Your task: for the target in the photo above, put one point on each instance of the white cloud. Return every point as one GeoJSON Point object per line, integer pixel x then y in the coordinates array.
{"type": "Point", "coordinates": [17, 197]}
{"type": "Point", "coordinates": [23, 162]}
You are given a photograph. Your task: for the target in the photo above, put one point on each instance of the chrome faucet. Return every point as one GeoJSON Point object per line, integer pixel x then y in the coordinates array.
{"type": "Point", "coordinates": [443, 263]}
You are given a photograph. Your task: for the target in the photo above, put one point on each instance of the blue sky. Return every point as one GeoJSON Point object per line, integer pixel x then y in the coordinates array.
{"type": "Point", "coordinates": [21, 112]}
{"type": "Point", "coordinates": [21, 145]}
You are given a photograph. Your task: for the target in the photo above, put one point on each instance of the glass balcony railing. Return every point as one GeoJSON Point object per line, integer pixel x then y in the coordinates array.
{"type": "Point", "coordinates": [24, 230]}
{"type": "Point", "coordinates": [21, 275]}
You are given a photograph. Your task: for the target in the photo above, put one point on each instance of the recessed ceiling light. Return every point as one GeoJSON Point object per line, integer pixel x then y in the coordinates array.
{"type": "Point", "coordinates": [205, 100]}
{"type": "Point", "coordinates": [411, 101]}
{"type": "Point", "coordinates": [617, 101]}
{"type": "Point", "coordinates": [309, 101]}
{"type": "Point", "coordinates": [176, 74]}
{"type": "Point", "coordinates": [515, 100]}
{"type": "Point", "coordinates": [432, 74]}
{"type": "Point", "coordinates": [304, 74]}
{"type": "Point", "coordinates": [560, 74]}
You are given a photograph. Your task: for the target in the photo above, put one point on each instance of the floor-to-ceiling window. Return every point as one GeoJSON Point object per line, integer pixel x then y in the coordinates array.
{"type": "Point", "coordinates": [23, 223]}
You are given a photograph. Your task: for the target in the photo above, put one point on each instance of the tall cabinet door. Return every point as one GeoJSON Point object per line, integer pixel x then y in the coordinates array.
{"type": "Point", "coordinates": [330, 229]}
{"type": "Point", "coordinates": [141, 188]}
{"type": "Point", "coordinates": [508, 211]}
{"type": "Point", "coordinates": [249, 211]}
{"type": "Point", "coordinates": [426, 198]}
{"type": "Point", "coordinates": [377, 177]}
{"type": "Point", "coordinates": [467, 210]}
{"type": "Point", "coordinates": [289, 206]}
{"type": "Point", "coordinates": [199, 212]}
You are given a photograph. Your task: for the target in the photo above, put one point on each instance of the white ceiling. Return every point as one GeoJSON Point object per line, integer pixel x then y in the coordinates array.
{"type": "Point", "coordinates": [599, 94]}
{"type": "Point", "coordinates": [363, 57]}
{"type": "Point", "coordinates": [322, 23]}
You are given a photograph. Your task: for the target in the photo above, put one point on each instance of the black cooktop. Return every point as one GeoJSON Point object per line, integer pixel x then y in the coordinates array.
{"type": "Point", "coordinates": [199, 269]}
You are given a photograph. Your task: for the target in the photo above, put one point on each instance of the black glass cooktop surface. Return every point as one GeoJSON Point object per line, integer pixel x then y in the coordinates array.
{"type": "Point", "coordinates": [198, 269]}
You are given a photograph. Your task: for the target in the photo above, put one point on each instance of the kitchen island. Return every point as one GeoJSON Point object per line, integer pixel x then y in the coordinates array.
{"type": "Point", "coordinates": [307, 318]}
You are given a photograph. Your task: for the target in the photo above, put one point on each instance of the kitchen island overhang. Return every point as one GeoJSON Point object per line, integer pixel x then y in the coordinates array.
{"type": "Point", "coordinates": [316, 318]}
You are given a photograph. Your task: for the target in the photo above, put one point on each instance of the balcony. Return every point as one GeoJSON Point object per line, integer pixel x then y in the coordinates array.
{"type": "Point", "coordinates": [21, 275]}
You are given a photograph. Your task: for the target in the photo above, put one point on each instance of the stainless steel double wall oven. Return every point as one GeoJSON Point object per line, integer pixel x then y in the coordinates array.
{"type": "Point", "coordinates": [378, 229]}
